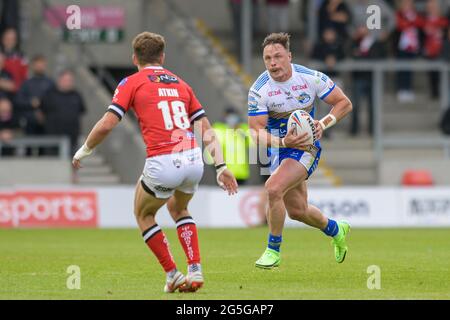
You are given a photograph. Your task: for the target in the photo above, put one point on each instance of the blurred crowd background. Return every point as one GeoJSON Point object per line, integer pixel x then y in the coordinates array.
{"type": "Point", "coordinates": [38, 100]}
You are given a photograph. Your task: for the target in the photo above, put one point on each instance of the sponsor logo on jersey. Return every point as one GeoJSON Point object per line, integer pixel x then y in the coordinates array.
{"type": "Point", "coordinates": [252, 104]}
{"type": "Point", "coordinates": [300, 87]}
{"type": "Point", "coordinates": [163, 78]}
{"type": "Point", "coordinates": [304, 98]}
{"type": "Point", "coordinates": [167, 92]}
{"type": "Point", "coordinates": [289, 95]}
{"type": "Point", "coordinates": [277, 105]}
{"type": "Point", "coordinates": [274, 93]}
{"type": "Point", "coordinates": [190, 135]}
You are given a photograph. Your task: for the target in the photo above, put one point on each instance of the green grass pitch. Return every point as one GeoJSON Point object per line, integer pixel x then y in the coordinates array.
{"type": "Point", "coordinates": [116, 264]}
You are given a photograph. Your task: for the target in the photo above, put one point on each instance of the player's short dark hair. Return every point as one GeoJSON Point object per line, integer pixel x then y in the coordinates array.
{"type": "Point", "coordinates": [277, 38]}
{"type": "Point", "coordinates": [148, 47]}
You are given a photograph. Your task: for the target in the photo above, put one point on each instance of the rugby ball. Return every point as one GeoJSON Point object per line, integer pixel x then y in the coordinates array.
{"type": "Point", "coordinates": [302, 122]}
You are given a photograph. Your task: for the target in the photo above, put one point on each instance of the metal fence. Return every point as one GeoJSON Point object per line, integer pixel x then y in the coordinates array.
{"type": "Point", "coordinates": [36, 146]}
{"type": "Point", "coordinates": [381, 67]}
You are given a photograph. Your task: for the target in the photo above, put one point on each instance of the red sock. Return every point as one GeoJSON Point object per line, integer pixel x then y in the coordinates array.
{"type": "Point", "coordinates": [187, 234]}
{"type": "Point", "coordinates": [157, 242]}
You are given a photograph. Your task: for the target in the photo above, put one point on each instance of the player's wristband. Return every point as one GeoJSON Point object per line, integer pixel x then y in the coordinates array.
{"type": "Point", "coordinates": [83, 152]}
{"type": "Point", "coordinates": [219, 170]}
{"type": "Point", "coordinates": [328, 121]}
{"type": "Point", "coordinates": [220, 166]}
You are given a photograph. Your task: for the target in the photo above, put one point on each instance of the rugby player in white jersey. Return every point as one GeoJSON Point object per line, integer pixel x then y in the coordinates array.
{"type": "Point", "coordinates": [283, 88]}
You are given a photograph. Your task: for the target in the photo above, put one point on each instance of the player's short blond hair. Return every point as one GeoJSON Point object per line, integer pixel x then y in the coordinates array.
{"type": "Point", "coordinates": [148, 47]}
{"type": "Point", "coordinates": [277, 38]}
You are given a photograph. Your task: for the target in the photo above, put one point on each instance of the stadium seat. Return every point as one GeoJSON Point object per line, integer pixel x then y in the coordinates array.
{"type": "Point", "coordinates": [417, 178]}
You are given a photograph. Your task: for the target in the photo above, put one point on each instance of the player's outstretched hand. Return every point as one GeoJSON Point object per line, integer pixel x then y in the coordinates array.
{"type": "Point", "coordinates": [76, 163]}
{"type": "Point", "coordinates": [319, 130]}
{"type": "Point", "coordinates": [83, 152]}
{"type": "Point", "coordinates": [292, 140]}
{"type": "Point", "coordinates": [227, 182]}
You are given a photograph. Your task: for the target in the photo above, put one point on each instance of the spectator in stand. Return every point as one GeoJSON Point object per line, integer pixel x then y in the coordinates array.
{"type": "Point", "coordinates": [434, 31]}
{"type": "Point", "coordinates": [445, 54]}
{"type": "Point", "coordinates": [329, 50]}
{"type": "Point", "coordinates": [359, 20]}
{"type": "Point", "coordinates": [10, 15]}
{"type": "Point", "coordinates": [335, 14]}
{"type": "Point", "coordinates": [278, 15]}
{"type": "Point", "coordinates": [8, 125]}
{"type": "Point", "coordinates": [235, 139]}
{"type": "Point", "coordinates": [7, 85]}
{"type": "Point", "coordinates": [63, 107]}
{"type": "Point", "coordinates": [409, 23]}
{"type": "Point", "coordinates": [15, 63]}
{"type": "Point", "coordinates": [367, 45]}
{"type": "Point", "coordinates": [29, 96]}
{"type": "Point", "coordinates": [447, 10]}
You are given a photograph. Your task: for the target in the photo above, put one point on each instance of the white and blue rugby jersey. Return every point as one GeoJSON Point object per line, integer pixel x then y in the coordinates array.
{"type": "Point", "coordinates": [279, 99]}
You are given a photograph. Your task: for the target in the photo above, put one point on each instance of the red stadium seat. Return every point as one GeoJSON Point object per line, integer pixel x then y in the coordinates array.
{"type": "Point", "coordinates": [417, 178]}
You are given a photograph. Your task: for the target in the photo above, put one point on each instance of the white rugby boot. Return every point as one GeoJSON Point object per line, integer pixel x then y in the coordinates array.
{"type": "Point", "coordinates": [194, 278]}
{"type": "Point", "coordinates": [177, 281]}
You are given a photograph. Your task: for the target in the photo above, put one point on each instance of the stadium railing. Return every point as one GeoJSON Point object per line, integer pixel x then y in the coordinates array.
{"type": "Point", "coordinates": [31, 146]}
{"type": "Point", "coordinates": [379, 68]}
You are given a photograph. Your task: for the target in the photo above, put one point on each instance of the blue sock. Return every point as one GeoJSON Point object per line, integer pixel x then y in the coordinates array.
{"type": "Point", "coordinates": [274, 242]}
{"type": "Point", "coordinates": [331, 229]}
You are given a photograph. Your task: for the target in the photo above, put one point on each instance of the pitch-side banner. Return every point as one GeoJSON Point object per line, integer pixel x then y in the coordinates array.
{"type": "Point", "coordinates": [112, 207]}
{"type": "Point", "coordinates": [43, 208]}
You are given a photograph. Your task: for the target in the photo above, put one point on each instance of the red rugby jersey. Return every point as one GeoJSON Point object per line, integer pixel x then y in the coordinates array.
{"type": "Point", "coordinates": [165, 106]}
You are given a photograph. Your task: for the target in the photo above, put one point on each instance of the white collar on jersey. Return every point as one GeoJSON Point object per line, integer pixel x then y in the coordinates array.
{"type": "Point", "coordinates": [153, 67]}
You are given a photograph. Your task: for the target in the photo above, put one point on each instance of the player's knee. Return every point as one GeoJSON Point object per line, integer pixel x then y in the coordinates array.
{"type": "Point", "coordinates": [274, 191]}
